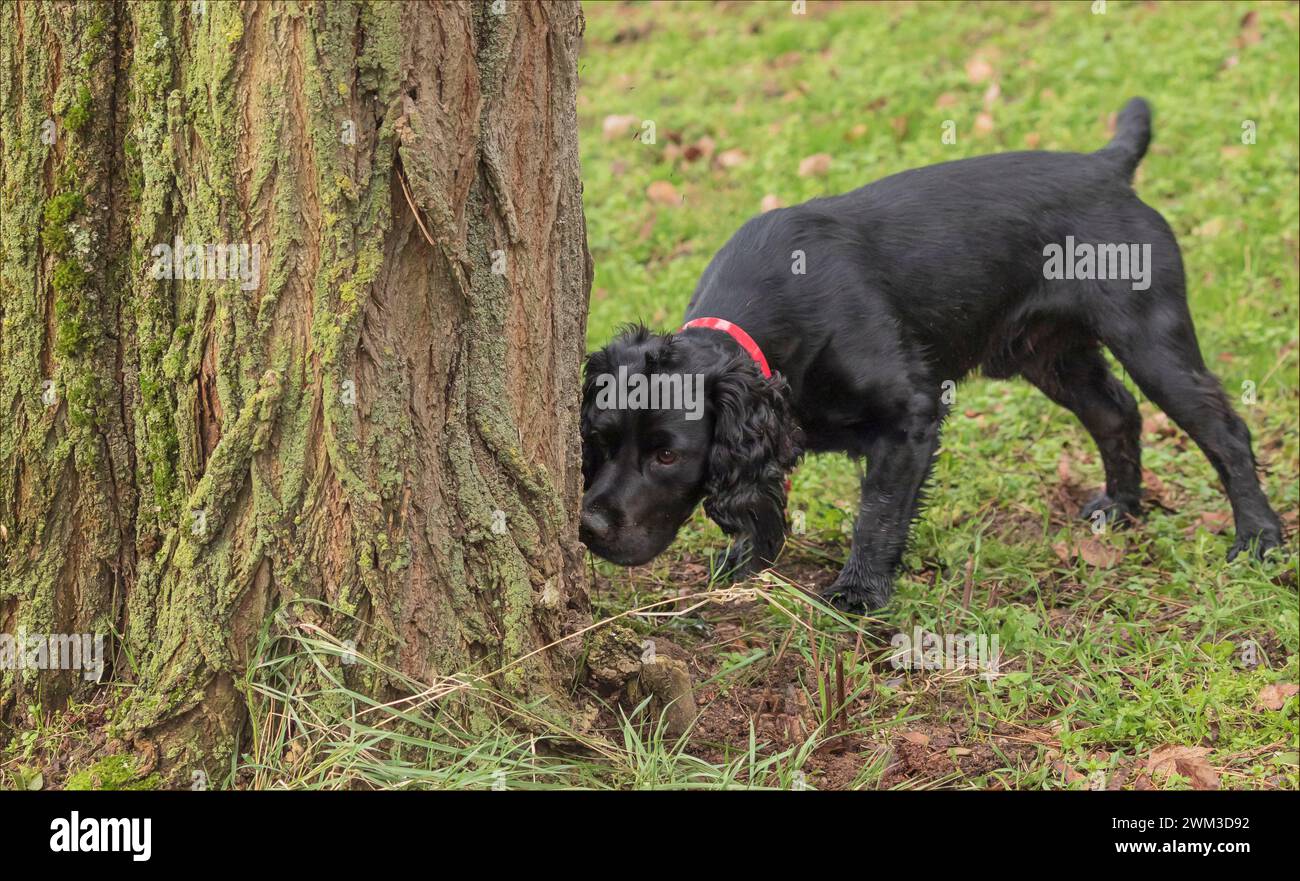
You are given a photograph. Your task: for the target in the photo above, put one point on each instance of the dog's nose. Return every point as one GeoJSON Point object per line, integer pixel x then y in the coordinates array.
{"type": "Point", "coordinates": [595, 523]}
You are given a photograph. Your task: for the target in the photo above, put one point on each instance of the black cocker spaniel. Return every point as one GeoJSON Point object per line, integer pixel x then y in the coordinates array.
{"type": "Point", "coordinates": [866, 309]}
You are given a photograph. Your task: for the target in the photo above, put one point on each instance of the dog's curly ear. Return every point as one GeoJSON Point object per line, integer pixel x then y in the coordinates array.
{"type": "Point", "coordinates": [755, 445]}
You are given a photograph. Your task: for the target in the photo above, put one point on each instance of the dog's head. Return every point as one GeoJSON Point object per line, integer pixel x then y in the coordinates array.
{"type": "Point", "coordinates": [669, 420]}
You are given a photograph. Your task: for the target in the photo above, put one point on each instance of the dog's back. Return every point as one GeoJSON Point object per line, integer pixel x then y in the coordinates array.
{"type": "Point", "coordinates": [954, 251]}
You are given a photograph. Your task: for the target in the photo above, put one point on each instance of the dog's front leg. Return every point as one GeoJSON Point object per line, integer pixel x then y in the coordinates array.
{"type": "Point", "coordinates": [898, 464]}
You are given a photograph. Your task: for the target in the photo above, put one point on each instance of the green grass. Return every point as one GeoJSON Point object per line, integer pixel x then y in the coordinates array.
{"type": "Point", "coordinates": [1110, 663]}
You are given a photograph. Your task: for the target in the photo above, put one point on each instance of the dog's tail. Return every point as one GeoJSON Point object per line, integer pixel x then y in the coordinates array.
{"type": "Point", "coordinates": [1132, 137]}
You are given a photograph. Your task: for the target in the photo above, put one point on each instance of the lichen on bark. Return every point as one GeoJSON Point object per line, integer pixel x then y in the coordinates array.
{"type": "Point", "coordinates": [340, 441]}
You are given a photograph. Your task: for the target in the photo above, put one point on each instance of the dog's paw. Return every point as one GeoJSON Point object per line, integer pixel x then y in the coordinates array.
{"type": "Point", "coordinates": [737, 564]}
{"type": "Point", "coordinates": [1258, 542]}
{"type": "Point", "coordinates": [1117, 512]}
{"type": "Point", "coordinates": [859, 594]}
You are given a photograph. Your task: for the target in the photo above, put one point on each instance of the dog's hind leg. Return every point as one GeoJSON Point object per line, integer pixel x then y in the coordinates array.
{"type": "Point", "coordinates": [1080, 380]}
{"type": "Point", "coordinates": [1161, 354]}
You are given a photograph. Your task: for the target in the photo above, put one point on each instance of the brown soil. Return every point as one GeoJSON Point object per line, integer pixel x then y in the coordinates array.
{"type": "Point", "coordinates": [776, 696]}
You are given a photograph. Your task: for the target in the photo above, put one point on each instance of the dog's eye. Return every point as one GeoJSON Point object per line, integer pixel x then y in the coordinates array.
{"type": "Point", "coordinates": [665, 457]}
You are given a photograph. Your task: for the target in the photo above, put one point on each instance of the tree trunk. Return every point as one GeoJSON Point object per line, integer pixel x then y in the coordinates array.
{"type": "Point", "coordinates": [368, 424]}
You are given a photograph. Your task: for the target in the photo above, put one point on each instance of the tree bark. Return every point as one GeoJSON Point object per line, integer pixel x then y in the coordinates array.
{"type": "Point", "coordinates": [379, 436]}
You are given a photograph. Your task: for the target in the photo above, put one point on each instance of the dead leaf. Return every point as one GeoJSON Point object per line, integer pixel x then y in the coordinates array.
{"type": "Point", "coordinates": [978, 70]}
{"type": "Point", "coordinates": [1032, 140]}
{"type": "Point", "coordinates": [1070, 775]}
{"type": "Point", "coordinates": [701, 149]}
{"type": "Point", "coordinates": [617, 125]}
{"type": "Point", "coordinates": [899, 125]}
{"type": "Point", "coordinates": [815, 165]}
{"type": "Point", "coordinates": [858, 131]}
{"type": "Point", "coordinates": [917, 737]}
{"type": "Point", "coordinates": [1250, 34]}
{"type": "Point", "coordinates": [663, 193]}
{"type": "Point", "coordinates": [732, 158]}
{"type": "Point", "coordinates": [1273, 697]}
{"type": "Point", "coordinates": [1187, 761]}
{"type": "Point", "coordinates": [770, 202]}
{"type": "Point", "coordinates": [1099, 555]}
{"type": "Point", "coordinates": [947, 99]}
{"type": "Point", "coordinates": [983, 124]}
{"type": "Point", "coordinates": [1213, 522]}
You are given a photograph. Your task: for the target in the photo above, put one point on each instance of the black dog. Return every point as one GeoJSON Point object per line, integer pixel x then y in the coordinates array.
{"type": "Point", "coordinates": [869, 305]}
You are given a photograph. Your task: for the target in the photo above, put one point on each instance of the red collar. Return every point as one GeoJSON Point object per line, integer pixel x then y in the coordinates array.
{"type": "Point", "coordinates": [746, 341]}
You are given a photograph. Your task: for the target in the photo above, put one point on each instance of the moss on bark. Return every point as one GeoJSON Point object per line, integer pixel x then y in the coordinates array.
{"type": "Point", "coordinates": [339, 440]}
